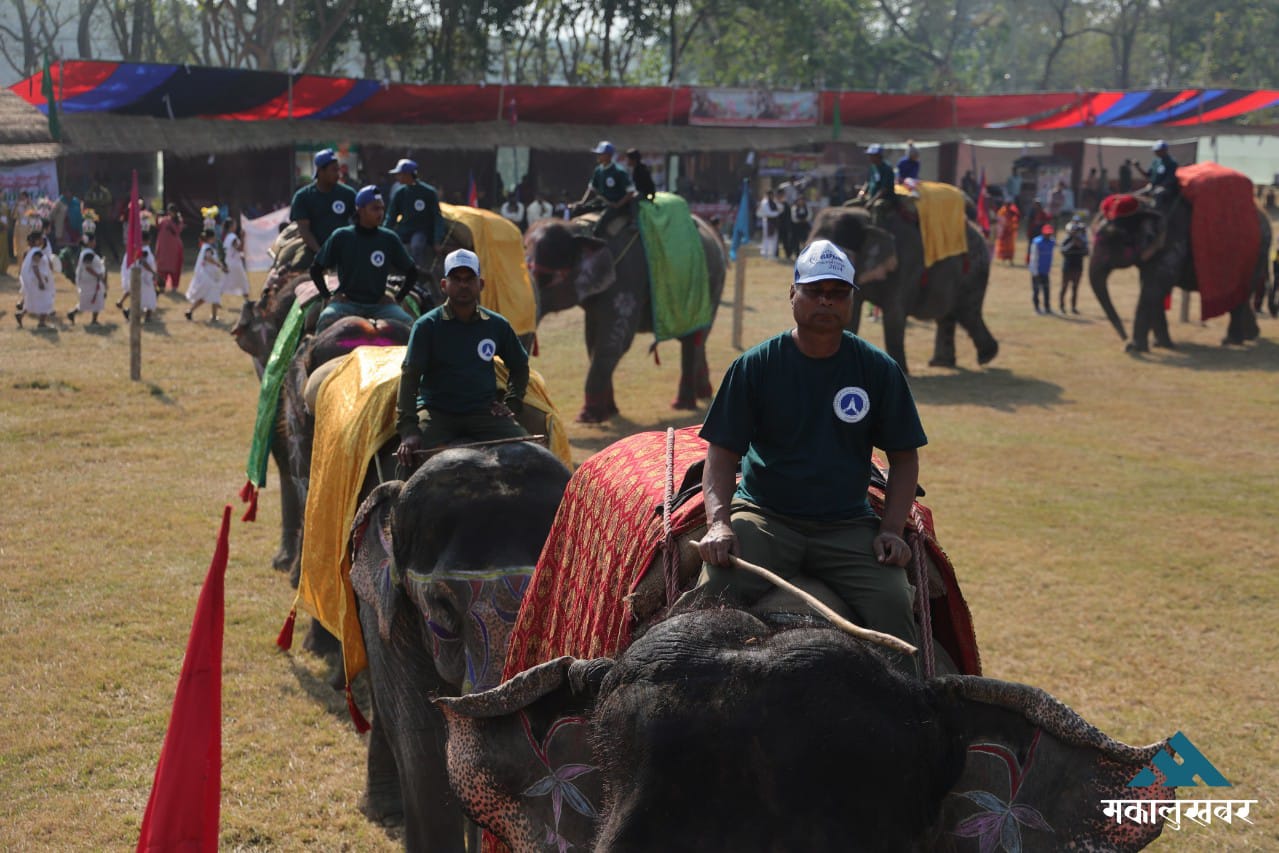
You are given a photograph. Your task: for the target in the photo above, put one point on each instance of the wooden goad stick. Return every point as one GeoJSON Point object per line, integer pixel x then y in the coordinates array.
{"type": "Point", "coordinates": [879, 638]}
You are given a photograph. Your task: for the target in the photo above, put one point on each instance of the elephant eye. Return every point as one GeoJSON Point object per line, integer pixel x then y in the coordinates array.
{"type": "Point", "coordinates": [443, 608]}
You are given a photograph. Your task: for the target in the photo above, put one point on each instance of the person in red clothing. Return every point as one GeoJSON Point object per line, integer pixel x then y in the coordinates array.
{"type": "Point", "coordinates": [168, 250]}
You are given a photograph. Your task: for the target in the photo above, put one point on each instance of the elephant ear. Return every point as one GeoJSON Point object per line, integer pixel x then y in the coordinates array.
{"type": "Point", "coordinates": [519, 756]}
{"type": "Point", "coordinates": [594, 272]}
{"type": "Point", "coordinates": [374, 575]}
{"type": "Point", "coordinates": [1036, 774]}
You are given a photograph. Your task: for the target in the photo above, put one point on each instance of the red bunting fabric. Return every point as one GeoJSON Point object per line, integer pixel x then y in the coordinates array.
{"type": "Point", "coordinates": [183, 811]}
{"type": "Point", "coordinates": [185, 91]}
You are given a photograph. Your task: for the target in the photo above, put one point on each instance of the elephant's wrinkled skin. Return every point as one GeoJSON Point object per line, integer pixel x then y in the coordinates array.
{"type": "Point", "coordinates": [439, 566]}
{"type": "Point", "coordinates": [1158, 243]}
{"type": "Point", "coordinates": [891, 275]}
{"type": "Point", "coordinates": [713, 733]}
{"type": "Point", "coordinates": [570, 268]}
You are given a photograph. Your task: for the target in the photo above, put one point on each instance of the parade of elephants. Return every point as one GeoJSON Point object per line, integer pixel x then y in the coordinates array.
{"type": "Point", "coordinates": [555, 619]}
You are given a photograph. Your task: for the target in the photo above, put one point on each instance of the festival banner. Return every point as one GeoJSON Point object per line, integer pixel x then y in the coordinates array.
{"type": "Point", "coordinates": [38, 179]}
{"type": "Point", "coordinates": [787, 163]}
{"type": "Point", "coordinates": [753, 108]}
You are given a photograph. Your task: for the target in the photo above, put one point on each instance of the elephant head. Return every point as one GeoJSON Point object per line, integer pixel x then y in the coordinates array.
{"type": "Point", "coordinates": [567, 266]}
{"type": "Point", "coordinates": [259, 322]}
{"type": "Point", "coordinates": [713, 732]}
{"type": "Point", "coordinates": [872, 249]}
{"type": "Point", "coordinates": [458, 541]}
{"type": "Point", "coordinates": [1118, 243]}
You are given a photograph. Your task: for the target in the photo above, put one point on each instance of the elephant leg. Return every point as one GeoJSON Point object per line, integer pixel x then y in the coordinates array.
{"type": "Point", "coordinates": [404, 678]}
{"type": "Point", "coordinates": [382, 801]}
{"type": "Point", "coordinates": [1243, 326]}
{"type": "Point", "coordinates": [859, 302]}
{"type": "Point", "coordinates": [694, 374]}
{"type": "Point", "coordinates": [611, 320]}
{"type": "Point", "coordinates": [286, 558]}
{"type": "Point", "coordinates": [972, 322]}
{"type": "Point", "coordinates": [944, 343]}
{"type": "Point", "coordinates": [1150, 308]}
{"type": "Point", "coordinates": [895, 335]}
{"type": "Point", "coordinates": [1159, 328]}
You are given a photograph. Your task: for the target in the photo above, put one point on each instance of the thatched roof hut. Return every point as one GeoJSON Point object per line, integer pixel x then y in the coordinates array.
{"type": "Point", "coordinates": [24, 132]}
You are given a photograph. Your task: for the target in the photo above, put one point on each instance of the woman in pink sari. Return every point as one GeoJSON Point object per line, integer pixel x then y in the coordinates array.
{"type": "Point", "coordinates": [168, 250]}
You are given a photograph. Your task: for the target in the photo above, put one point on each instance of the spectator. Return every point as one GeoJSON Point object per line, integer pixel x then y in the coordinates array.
{"type": "Point", "coordinates": [539, 209]}
{"type": "Point", "coordinates": [1041, 264]}
{"type": "Point", "coordinates": [513, 210]}
{"type": "Point", "coordinates": [1073, 251]}
{"type": "Point", "coordinates": [206, 279]}
{"type": "Point", "coordinates": [1125, 176]}
{"type": "Point", "coordinates": [769, 212]}
{"type": "Point", "coordinates": [168, 250]}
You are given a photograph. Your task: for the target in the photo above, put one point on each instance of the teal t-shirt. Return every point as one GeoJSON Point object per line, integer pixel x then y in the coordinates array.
{"type": "Point", "coordinates": [612, 181]}
{"type": "Point", "coordinates": [805, 426]}
{"type": "Point", "coordinates": [454, 361]}
{"type": "Point", "coordinates": [415, 207]}
{"type": "Point", "coordinates": [326, 211]}
{"type": "Point", "coordinates": [1163, 172]}
{"type": "Point", "coordinates": [881, 177]}
{"type": "Point", "coordinates": [364, 258]}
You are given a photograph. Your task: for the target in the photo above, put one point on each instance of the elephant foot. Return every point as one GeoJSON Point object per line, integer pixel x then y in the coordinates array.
{"type": "Point", "coordinates": [986, 356]}
{"type": "Point", "coordinates": [941, 362]}
{"type": "Point", "coordinates": [684, 403]}
{"type": "Point", "coordinates": [320, 642]}
{"type": "Point", "coordinates": [594, 415]}
{"type": "Point", "coordinates": [283, 561]}
{"type": "Point", "coordinates": [385, 810]}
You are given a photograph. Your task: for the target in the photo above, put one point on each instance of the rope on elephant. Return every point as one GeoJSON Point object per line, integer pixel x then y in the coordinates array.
{"type": "Point", "coordinates": [431, 451]}
{"type": "Point", "coordinates": [671, 558]}
{"type": "Point", "coordinates": [879, 638]}
{"type": "Point", "coordinates": [634, 237]}
{"type": "Point", "coordinates": [917, 547]}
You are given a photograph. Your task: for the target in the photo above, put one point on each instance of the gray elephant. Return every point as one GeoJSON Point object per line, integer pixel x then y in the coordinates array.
{"type": "Point", "coordinates": [950, 292]}
{"type": "Point", "coordinates": [608, 278]}
{"type": "Point", "coordinates": [439, 567]}
{"type": "Point", "coordinates": [1158, 242]}
{"type": "Point", "coordinates": [713, 732]}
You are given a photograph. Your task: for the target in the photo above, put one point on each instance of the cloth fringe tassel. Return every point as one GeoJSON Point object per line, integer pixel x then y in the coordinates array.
{"type": "Point", "coordinates": [361, 724]}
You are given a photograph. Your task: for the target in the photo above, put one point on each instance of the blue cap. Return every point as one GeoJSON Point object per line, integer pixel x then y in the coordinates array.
{"type": "Point", "coordinates": [603, 147]}
{"type": "Point", "coordinates": [1159, 145]}
{"type": "Point", "coordinates": [366, 195]}
{"type": "Point", "coordinates": [324, 158]}
{"type": "Point", "coordinates": [875, 149]}
{"type": "Point", "coordinates": [404, 166]}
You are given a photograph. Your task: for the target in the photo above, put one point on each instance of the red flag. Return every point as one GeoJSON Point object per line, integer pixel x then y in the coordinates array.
{"type": "Point", "coordinates": [185, 797]}
{"type": "Point", "coordinates": [472, 195]}
{"type": "Point", "coordinates": [133, 240]}
{"type": "Point", "coordinates": [983, 216]}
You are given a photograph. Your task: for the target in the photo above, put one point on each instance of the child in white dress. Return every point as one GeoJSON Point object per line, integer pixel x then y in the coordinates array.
{"type": "Point", "coordinates": [206, 281]}
{"type": "Point", "coordinates": [36, 277]}
{"type": "Point", "coordinates": [90, 280]}
{"type": "Point", "coordinates": [147, 264]}
{"type": "Point", "coordinates": [237, 273]}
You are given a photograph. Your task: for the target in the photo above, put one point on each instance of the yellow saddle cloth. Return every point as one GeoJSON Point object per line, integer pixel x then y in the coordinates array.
{"type": "Point", "coordinates": [941, 219]}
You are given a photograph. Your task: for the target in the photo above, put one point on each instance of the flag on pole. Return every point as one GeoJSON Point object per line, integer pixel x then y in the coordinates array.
{"type": "Point", "coordinates": [133, 239]}
{"type": "Point", "coordinates": [742, 226]}
{"type": "Point", "coordinates": [46, 87]}
{"type": "Point", "coordinates": [472, 196]}
{"type": "Point", "coordinates": [183, 811]}
{"type": "Point", "coordinates": [983, 217]}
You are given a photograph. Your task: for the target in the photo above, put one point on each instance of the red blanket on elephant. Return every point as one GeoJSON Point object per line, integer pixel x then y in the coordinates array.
{"type": "Point", "coordinates": [1225, 234]}
{"type": "Point", "coordinates": [605, 534]}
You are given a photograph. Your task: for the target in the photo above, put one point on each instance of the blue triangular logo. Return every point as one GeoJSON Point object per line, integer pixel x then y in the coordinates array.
{"type": "Point", "coordinates": [1180, 774]}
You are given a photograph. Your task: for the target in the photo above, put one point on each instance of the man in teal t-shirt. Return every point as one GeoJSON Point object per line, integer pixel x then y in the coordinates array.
{"type": "Point", "coordinates": [364, 255]}
{"type": "Point", "coordinates": [448, 384]}
{"type": "Point", "coordinates": [611, 183]}
{"type": "Point", "coordinates": [801, 412]}
{"type": "Point", "coordinates": [324, 205]}
{"type": "Point", "coordinates": [414, 214]}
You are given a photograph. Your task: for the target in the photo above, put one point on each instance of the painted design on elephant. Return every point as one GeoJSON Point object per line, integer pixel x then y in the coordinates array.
{"type": "Point", "coordinates": [624, 305]}
{"type": "Point", "coordinates": [558, 781]}
{"type": "Point", "coordinates": [998, 825]}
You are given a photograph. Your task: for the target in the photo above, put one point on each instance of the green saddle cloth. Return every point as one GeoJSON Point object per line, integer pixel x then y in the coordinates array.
{"type": "Point", "coordinates": [677, 276]}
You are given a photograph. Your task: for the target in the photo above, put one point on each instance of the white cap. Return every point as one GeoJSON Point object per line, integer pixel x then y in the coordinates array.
{"type": "Point", "coordinates": [1159, 144]}
{"type": "Point", "coordinates": [822, 260]}
{"type": "Point", "coordinates": [461, 258]}
{"type": "Point", "coordinates": [875, 149]}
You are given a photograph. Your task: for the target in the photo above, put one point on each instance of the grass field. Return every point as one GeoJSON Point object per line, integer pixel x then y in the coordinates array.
{"type": "Point", "coordinates": [1112, 520]}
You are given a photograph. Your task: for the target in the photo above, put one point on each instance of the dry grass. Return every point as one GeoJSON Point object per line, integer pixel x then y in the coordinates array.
{"type": "Point", "coordinates": [1111, 518]}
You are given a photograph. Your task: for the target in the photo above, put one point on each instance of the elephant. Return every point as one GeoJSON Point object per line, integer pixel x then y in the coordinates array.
{"type": "Point", "coordinates": [439, 566]}
{"type": "Point", "coordinates": [608, 278]}
{"type": "Point", "coordinates": [1157, 240]}
{"type": "Point", "coordinates": [714, 732]}
{"type": "Point", "coordinates": [950, 292]}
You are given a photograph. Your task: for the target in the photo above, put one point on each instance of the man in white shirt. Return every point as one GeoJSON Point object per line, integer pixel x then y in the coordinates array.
{"type": "Point", "coordinates": [539, 208]}
{"type": "Point", "coordinates": [768, 212]}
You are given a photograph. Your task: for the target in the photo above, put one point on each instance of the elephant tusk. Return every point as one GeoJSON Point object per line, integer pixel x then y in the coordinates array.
{"type": "Point", "coordinates": [877, 637]}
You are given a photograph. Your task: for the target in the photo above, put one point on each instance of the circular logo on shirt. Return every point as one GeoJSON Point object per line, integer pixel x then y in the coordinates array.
{"type": "Point", "coordinates": [486, 349]}
{"type": "Point", "coordinates": [339, 207]}
{"type": "Point", "coordinates": [608, 182]}
{"type": "Point", "coordinates": [377, 258]}
{"type": "Point", "coordinates": [419, 205]}
{"type": "Point", "coordinates": [851, 404]}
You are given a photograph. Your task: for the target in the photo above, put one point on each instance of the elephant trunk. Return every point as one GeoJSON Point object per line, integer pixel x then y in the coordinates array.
{"type": "Point", "coordinates": [1098, 274]}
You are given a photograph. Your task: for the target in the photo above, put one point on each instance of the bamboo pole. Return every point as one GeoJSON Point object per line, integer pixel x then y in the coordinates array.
{"type": "Point", "coordinates": [739, 296]}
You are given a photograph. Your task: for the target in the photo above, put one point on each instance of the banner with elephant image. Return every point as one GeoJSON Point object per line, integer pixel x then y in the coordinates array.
{"type": "Point", "coordinates": [753, 108]}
